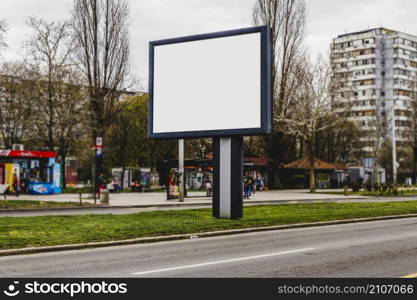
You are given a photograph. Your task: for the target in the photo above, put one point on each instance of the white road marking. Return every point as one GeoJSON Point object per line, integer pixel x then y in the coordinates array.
{"type": "Point", "coordinates": [222, 261]}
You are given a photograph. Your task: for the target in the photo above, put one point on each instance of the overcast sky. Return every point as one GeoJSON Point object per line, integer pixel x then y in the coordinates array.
{"type": "Point", "coordinates": [157, 19]}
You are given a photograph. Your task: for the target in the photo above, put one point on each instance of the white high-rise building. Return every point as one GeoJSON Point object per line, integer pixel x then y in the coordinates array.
{"type": "Point", "coordinates": [375, 71]}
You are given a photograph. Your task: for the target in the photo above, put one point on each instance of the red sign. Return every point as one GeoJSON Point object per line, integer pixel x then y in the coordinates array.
{"type": "Point", "coordinates": [28, 153]}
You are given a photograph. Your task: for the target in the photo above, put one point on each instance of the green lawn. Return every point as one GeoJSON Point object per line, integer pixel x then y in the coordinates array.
{"type": "Point", "coordinates": [16, 204]}
{"type": "Point", "coordinates": [17, 232]}
{"type": "Point", "coordinates": [408, 192]}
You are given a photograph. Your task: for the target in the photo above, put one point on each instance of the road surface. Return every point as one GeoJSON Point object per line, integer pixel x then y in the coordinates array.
{"type": "Point", "coordinates": [373, 249]}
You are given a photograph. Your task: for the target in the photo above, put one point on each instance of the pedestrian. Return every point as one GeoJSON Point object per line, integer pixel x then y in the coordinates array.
{"type": "Point", "coordinates": [15, 184]}
{"type": "Point", "coordinates": [208, 188]}
{"type": "Point", "coordinates": [250, 185]}
{"type": "Point", "coordinates": [101, 184]}
{"type": "Point", "coordinates": [22, 182]}
{"type": "Point", "coordinates": [116, 186]}
{"type": "Point", "coordinates": [253, 185]}
{"type": "Point", "coordinates": [246, 185]}
{"type": "Point", "coordinates": [346, 183]}
{"type": "Point", "coordinates": [258, 183]}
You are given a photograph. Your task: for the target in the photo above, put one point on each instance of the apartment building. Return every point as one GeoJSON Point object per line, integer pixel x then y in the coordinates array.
{"type": "Point", "coordinates": [375, 71]}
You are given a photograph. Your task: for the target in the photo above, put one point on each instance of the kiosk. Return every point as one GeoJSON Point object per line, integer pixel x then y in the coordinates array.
{"type": "Point", "coordinates": [38, 172]}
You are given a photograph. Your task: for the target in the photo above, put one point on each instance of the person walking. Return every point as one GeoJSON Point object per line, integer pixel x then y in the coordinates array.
{"type": "Point", "coordinates": [346, 183]}
{"type": "Point", "coordinates": [116, 186]}
{"type": "Point", "coordinates": [101, 184]}
{"type": "Point", "coordinates": [246, 187]}
{"type": "Point", "coordinates": [15, 184]}
{"type": "Point", "coordinates": [250, 185]}
{"type": "Point", "coordinates": [208, 188]}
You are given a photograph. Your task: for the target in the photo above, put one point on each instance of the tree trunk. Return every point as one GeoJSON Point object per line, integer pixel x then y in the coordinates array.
{"type": "Point", "coordinates": [50, 125]}
{"type": "Point", "coordinates": [312, 174]}
{"type": "Point", "coordinates": [301, 151]}
{"type": "Point", "coordinates": [311, 156]}
{"type": "Point", "coordinates": [414, 175]}
{"type": "Point", "coordinates": [122, 178]}
{"type": "Point", "coordinates": [98, 159]}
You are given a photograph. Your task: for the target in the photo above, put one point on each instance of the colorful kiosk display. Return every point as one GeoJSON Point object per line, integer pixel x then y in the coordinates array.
{"type": "Point", "coordinates": [38, 172]}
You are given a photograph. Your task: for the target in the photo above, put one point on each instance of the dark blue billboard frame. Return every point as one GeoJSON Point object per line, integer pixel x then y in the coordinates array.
{"type": "Point", "coordinates": [266, 85]}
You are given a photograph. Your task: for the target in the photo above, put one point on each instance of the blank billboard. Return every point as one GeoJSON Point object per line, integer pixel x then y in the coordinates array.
{"type": "Point", "coordinates": [210, 85]}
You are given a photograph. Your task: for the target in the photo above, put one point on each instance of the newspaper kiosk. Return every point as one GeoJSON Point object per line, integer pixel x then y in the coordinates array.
{"type": "Point", "coordinates": [37, 171]}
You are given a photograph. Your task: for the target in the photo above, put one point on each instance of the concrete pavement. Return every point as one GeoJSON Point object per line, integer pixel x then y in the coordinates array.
{"type": "Point", "coordinates": [375, 249]}
{"type": "Point", "coordinates": [135, 199]}
{"type": "Point", "coordinates": [126, 203]}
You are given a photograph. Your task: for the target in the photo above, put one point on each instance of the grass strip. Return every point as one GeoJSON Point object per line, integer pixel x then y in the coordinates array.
{"type": "Point", "coordinates": [372, 193]}
{"type": "Point", "coordinates": [18, 232]}
{"type": "Point", "coordinates": [28, 204]}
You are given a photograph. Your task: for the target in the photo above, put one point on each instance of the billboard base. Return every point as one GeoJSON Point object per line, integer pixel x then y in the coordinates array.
{"type": "Point", "coordinates": [227, 177]}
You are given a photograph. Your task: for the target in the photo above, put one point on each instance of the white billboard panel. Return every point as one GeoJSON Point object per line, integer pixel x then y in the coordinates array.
{"type": "Point", "coordinates": [209, 85]}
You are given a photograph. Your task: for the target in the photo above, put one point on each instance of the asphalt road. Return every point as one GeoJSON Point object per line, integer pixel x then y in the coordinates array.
{"type": "Point", "coordinates": [373, 249]}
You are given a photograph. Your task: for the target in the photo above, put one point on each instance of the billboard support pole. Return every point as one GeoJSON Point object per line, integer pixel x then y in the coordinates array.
{"type": "Point", "coordinates": [227, 177]}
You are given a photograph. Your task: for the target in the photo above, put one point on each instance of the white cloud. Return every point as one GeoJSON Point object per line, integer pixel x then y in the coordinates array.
{"type": "Point", "coordinates": [156, 19]}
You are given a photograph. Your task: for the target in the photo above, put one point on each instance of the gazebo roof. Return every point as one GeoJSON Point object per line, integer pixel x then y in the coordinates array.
{"type": "Point", "coordinates": [304, 163]}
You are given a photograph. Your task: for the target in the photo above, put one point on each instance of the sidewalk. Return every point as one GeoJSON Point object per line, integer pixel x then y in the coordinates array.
{"type": "Point", "coordinates": [159, 199]}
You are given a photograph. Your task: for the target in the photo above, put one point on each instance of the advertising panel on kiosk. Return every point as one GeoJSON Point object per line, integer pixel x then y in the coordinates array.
{"type": "Point", "coordinates": [214, 85]}
{"type": "Point", "coordinates": [37, 171]}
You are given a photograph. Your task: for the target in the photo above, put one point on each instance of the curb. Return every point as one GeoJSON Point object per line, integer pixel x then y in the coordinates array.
{"type": "Point", "coordinates": [32, 250]}
{"type": "Point", "coordinates": [51, 208]}
{"type": "Point", "coordinates": [178, 204]}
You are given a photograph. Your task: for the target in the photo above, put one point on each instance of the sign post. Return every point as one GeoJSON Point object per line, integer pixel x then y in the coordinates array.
{"type": "Point", "coordinates": [98, 152]}
{"type": "Point", "coordinates": [227, 177]}
{"type": "Point", "coordinates": [215, 85]}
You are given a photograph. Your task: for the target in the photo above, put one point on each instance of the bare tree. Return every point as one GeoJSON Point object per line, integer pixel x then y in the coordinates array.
{"type": "Point", "coordinates": [3, 30]}
{"type": "Point", "coordinates": [102, 52]}
{"type": "Point", "coordinates": [60, 114]}
{"type": "Point", "coordinates": [286, 19]}
{"type": "Point", "coordinates": [17, 93]}
{"type": "Point", "coordinates": [73, 113]}
{"type": "Point", "coordinates": [315, 111]}
{"type": "Point", "coordinates": [48, 52]}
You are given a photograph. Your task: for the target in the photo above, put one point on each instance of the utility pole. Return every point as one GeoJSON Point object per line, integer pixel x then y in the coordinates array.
{"type": "Point", "coordinates": [394, 147]}
{"type": "Point", "coordinates": [181, 169]}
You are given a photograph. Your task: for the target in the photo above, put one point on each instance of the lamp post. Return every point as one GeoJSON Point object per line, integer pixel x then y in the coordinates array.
{"type": "Point", "coordinates": [394, 147]}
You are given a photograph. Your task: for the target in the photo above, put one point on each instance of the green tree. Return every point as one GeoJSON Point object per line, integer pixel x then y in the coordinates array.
{"type": "Point", "coordinates": [286, 19]}
{"type": "Point", "coordinates": [340, 143]}
{"type": "Point", "coordinates": [127, 141]}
